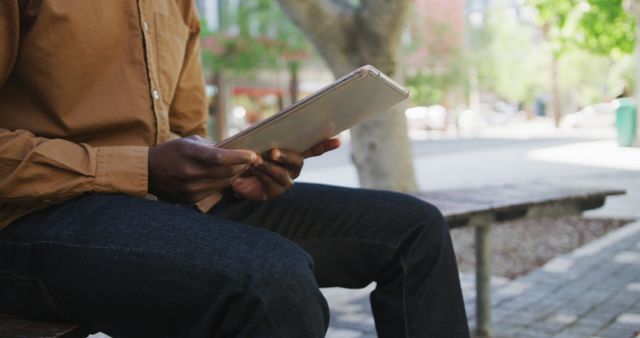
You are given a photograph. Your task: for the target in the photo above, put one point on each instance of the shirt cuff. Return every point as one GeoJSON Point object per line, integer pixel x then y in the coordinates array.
{"type": "Point", "coordinates": [122, 169]}
{"type": "Point", "coordinates": [209, 202]}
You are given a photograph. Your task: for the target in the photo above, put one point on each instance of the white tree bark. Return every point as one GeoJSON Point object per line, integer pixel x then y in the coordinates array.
{"type": "Point", "coordinates": [347, 37]}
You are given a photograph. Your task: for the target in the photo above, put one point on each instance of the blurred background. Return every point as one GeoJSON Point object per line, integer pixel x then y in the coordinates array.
{"type": "Point", "coordinates": [470, 64]}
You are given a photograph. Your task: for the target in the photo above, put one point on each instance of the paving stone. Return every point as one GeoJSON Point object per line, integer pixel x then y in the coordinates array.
{"type": "Point", "coordinates": [548, 326]}
{"type": "Point", "coordinates": [629, 318]}
{"type": "Point", "coordinates": [563, 318]}
{"type": "Point", "coordinates": [510, 305]}
{"type": "Point", "coordinates": [576, 332]}
{"type": "Point", "coordinates": [522, 318]}
{"type": "Point", "coordinates": [635, 308]}
{"type": "Point", "coordinates": [343, 333]}
{"type": "Point", "coordinates": [599, 317]}
{"type": "Point", "coordinates": [570, 333]}
{"type": "Point", "coordinates": [597, 296]}
{"type": "Point", "coordinates": [361, 326]}
{"type": "Point", "coordinates": [578, 308]}
{"type": "Point", "coordinates": [595, 321]}
{"type": "Point", "coordinates": [541, 311]}
{"type": "Point", "coordinates": [610, 308]}
{"type": "Point", "coordinates": [628, 297]}
{"type": "Point", "coordinates": [583, 331]}
{"type": "Point", "coordinates": [619, 331]}
{"type": "Point", "coordinates": [531, 333]}
{"type": "Point", "coordinates": [627, 257]}
{"type": "Point", "coordinates": [507, 330]}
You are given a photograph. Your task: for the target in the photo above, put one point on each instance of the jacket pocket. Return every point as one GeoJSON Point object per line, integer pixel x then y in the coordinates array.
{"type": "Point", "coordinates": [26, 297]}
{"type": "Point", "coordinates": [171, 41]}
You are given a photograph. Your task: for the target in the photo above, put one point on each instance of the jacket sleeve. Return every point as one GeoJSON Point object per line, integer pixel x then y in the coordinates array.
{"type": "Point", "coordinates": [35, 170]}
{"type": "Point", "coordinates": [188, 112]}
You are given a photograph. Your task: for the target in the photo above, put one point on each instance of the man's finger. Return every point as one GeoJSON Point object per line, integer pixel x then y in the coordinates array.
{"type": "Point", "coordinates": [287, 157]}
{"type": "Point", "coordinates": [209, 154]}
{"type": "Point", "coordinates": [271, 187]}
{"type": "Point", "coordinates": [218, 172]}
{"type": "Point", "coordinates": [322, 147]}
{"type": "Point", "coordinates": [279, 174]}
{"type": "Point", "coordinates": [209, 186]}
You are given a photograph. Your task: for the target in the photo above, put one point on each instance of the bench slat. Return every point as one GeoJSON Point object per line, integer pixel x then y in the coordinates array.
{"type": "Point", "coordinates": [15, 327]}
{"type": "Point", "coordinates": [506, 202]}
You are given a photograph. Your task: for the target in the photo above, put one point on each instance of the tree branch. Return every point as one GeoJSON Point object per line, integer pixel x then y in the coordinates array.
{"type": "Point", "coordinates": [385, 18]}
{"type": "Point", "coordinates": [319, 19]}
{"type": "Point", "coordinates": [324, 22]}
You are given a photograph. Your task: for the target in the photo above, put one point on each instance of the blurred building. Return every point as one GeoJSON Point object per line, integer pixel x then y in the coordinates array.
{"type": "Point", "coordinates": [440, 26]}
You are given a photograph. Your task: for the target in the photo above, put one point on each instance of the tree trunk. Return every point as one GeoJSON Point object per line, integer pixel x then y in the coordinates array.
{"type": "Point", "coordinates": [556, 105]}
{"type": "Point", "coordinates": [348, 37]}
{"type": "Point", "coordinates": [294, 85]}
{"type": "Point", "coordinates": [220, 106]}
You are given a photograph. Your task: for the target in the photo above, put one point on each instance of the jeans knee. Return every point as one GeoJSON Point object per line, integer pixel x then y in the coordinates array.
{"type": "Point", "coordinates": [287, 285]}
{"type": "Point", "coordinates": [422, 212]}
{"type": "Point", "coordinates": [286, 269]}
{"type": "Point", "coordinates": [425, 222]}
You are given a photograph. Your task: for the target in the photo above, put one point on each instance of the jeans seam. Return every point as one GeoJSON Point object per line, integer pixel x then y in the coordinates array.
{"type": "Point", "coordinates": [267, 309]}
{"type": "Point", "coordinates": [404, 296]}
{"type": "Point", "coordinates": [394, 247]}
{"type": "Point", "coordinates": [76, 246]}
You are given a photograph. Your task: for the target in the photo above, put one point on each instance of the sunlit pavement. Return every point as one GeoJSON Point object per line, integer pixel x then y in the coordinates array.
{"type": "Point", "coordinates": [593, 291]}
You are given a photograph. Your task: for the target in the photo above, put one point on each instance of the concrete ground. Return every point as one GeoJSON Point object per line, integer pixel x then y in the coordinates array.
{"type": "Point", "coordinates": [592, 292]}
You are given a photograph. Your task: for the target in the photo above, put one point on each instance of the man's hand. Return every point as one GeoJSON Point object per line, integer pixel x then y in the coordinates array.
{"type": "Point", "coordinates": [192, 168]}
{"type": "Point", "coordinates": [274, 172]}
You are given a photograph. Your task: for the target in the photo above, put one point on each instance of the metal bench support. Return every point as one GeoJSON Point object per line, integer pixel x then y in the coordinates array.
{"type": "Point", "coordinates": [483, 280]}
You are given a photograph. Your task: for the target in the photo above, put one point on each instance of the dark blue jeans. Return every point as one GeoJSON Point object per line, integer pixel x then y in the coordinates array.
{"type": "Point", "coordinates": [137, 268]}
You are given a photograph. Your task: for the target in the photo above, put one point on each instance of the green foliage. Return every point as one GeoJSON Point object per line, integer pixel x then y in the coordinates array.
{"type": "Point", "coordinates": [583, 80]}
{"type": "Point", "coordinates": [598, 26]}
{"type": "Point", "coordinates": [608, 28]}
{"type": "Point", "coordinates": [511, 53]}
{"type": "Point", "coordinates": [430, 85]}
{"type": "Point", "coordinates": [514, 67]}
{"type": "Point", "coordinates": [253, 34]}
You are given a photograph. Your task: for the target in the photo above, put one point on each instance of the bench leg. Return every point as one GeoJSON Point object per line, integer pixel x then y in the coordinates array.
{"type": "Point", "coordinates": [483, 281]}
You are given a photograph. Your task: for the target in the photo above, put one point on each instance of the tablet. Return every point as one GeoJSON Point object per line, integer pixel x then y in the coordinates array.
{"type": "Point", "coordinates": [353, 98]}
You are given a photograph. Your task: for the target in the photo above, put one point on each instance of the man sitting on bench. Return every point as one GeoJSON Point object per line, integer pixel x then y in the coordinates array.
{"type": "Point", "coordinates": [102, 103]}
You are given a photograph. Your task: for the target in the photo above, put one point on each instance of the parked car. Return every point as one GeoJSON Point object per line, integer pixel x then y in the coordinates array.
{"type": "Point", "coordinates": [597, 115]}
{"type": "Point", "coordinates": [427, 118]}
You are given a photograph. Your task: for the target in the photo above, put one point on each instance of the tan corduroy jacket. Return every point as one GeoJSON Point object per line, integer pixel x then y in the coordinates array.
{"type": "Point", "coordinates": [85, 88]}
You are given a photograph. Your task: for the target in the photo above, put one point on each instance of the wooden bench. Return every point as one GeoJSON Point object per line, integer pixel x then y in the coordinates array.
{"type": "Point", "coordinates": [477, 207]}
{"type": "Point", "coordinates": [485, 206]}
{"type": "Point", "coordinates": [15, 327]}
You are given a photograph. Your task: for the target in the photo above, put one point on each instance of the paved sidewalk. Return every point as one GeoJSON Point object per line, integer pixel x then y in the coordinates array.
{"type": "Point", "coordinates": [592, 292]}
